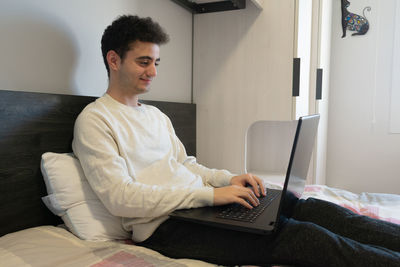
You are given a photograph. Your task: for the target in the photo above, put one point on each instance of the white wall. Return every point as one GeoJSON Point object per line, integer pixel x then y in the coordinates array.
{"type": "Point", "coordinates": [362, 154]}
{"type": "Point", "coordinates": [54, 46]}
{"type": "Point", "coordinates": [395, 94]}
{"type": "Point", "coordinates": [242, 73]}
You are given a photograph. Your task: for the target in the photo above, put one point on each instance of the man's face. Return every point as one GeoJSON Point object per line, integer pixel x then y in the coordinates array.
{"type": "Point", "coordinates": [138, 67]}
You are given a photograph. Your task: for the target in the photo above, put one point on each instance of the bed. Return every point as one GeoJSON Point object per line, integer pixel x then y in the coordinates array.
{"type": "Point", "coordinates": [31, 235]}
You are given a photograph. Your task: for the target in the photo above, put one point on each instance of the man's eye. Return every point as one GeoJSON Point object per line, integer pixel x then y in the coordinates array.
{"type": "Point", "coordinates": [144, 63]}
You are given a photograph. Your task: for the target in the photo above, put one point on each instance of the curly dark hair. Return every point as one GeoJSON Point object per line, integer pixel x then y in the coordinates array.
{"type": "Point", "coordinates": [127, 29]}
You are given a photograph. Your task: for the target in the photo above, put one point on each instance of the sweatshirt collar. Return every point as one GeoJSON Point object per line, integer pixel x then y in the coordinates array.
{"type": "Point", "coordinates": [116, 103]}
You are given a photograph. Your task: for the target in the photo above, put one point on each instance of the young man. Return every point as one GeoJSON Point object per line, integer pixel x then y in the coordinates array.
{"type": "Point", "coordinates": [140, 171]}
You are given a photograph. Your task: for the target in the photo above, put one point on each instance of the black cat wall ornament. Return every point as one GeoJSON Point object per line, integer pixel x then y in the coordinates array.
{"type": "Point", "coordinates": [354, 22]}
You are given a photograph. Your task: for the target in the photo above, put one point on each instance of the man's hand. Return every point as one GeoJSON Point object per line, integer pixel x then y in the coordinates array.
{"type": "Point", "coordinates": [235, 194]}
{"type": "Point", "coordinates": [255, 182]}
{"type": "Point", "coordinates": [239, 193]}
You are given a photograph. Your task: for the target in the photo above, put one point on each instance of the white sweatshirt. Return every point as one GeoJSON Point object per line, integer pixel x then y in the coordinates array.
{"type": "Point", "coordinates": [137, 165]}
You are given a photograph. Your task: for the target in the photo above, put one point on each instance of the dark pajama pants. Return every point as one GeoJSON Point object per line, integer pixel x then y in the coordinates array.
{"type": "Point", "coordinates": [313, 233]}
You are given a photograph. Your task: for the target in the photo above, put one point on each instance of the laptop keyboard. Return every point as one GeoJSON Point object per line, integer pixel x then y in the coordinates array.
{"type": "Point", "coordinates": [238, 212]}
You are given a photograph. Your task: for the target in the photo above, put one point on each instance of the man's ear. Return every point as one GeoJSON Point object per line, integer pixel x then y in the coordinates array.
{"type": "Point", "coordinates": [113, 60]}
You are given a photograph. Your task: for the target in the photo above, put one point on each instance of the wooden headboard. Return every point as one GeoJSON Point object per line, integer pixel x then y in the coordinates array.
{"type": "Point", "coordinates": [34, 123]}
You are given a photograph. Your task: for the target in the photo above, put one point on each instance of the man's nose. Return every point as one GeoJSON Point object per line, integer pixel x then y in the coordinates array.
{"type": "Point", "coordinates": [152, 71]}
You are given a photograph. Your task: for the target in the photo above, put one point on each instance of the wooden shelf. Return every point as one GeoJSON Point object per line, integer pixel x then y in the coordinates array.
{"type": "Point", "coordinates": [208, 7]}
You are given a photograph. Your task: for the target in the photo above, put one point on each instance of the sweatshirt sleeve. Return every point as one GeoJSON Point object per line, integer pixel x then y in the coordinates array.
{"type": "Point", "coordinates": [107, 173]}
{"type": "Point", "coordinates": [212, 177]}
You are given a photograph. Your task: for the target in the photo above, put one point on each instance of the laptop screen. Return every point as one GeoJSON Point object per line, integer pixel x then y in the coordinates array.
{"type": "Point", "coordinates": [301, 156]}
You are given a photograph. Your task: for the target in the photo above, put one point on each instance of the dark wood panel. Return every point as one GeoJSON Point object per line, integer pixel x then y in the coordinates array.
{"type": "Point", "coordinates": [34, 123]}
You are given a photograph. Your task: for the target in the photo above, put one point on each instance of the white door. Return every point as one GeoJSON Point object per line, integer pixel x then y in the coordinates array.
{"type": "Point", "coordinates": [312, 37]}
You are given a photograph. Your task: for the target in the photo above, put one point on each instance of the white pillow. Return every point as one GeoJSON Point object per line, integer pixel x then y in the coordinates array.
{"type": "Point", "coordinates": [71, 197]}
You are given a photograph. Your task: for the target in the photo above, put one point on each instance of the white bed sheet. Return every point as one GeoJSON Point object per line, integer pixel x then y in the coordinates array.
{"type": "Point", "coordinates": [54, 246]}
{"type": "Point", "coordinates": [376, 205]}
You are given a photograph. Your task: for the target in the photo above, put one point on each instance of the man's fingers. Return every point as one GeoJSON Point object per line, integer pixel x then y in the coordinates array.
{"type": "Point", "coordinates": [243, 202]}
{"type": "Point", "coordinates": [244, 196]}
{"type": "Point", "coordinates": [260, 185]}
{"type": "Point", "coordinates": [254, 184]}
{"type": "Point", "coordinates": [248, 194]}
{"type": "Point", "coordinates": [257, 184]}
{"type": "Point", "coordinates": [253, 199]}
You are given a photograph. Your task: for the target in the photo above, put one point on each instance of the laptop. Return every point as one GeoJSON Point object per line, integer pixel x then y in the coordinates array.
{"type": "Point", "coordinates": [264, 220]}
